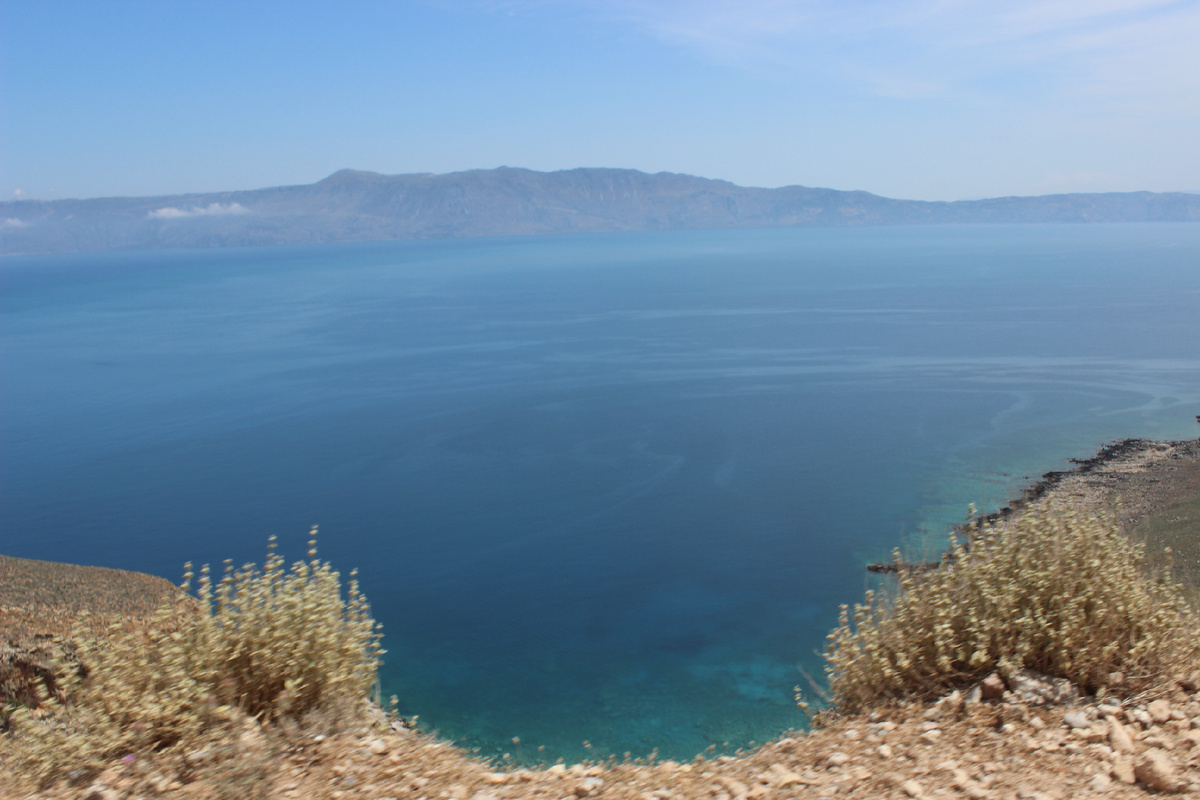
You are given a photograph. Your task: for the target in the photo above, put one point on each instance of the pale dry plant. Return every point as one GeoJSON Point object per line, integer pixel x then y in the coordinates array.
{"type": "Point", "coordinates": [285, 641]}
{"type": "Point", "coordinates": [1064, 594]}
{"type": "Point", "coordinates": [261, 645]}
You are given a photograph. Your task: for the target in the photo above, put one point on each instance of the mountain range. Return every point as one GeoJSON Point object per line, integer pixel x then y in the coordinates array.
{"type": "Point", "coordinates": [352, 205]}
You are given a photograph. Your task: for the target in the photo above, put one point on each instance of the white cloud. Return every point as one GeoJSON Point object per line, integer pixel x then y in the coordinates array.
{"type": "Point", "coordinates": [211, 210]}
{"type": "Point", "coordinates": [13, 222]}
{"type": "Point", "coordinates": [18, 192]}
{"type": "Point", "coordinates": [1141, 51]}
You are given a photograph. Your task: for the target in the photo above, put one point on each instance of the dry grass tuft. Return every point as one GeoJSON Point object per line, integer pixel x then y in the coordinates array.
{"type": "Point", "coordinates": [1063, 594]}
{"type": "Point", "coordinates": [269, 645]}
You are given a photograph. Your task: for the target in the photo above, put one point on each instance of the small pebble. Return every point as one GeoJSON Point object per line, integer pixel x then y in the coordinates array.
{"type": "Point", "coordinates": [1076, 719]}
{"type": "Point", "coordinates": [588, 786]}
{"type": "Point", "coordinates": [1160, 711]}
{"type": "Point", "coordinates": [1122, 770]}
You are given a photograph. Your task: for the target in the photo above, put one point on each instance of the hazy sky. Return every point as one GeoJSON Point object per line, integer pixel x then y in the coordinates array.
{"type": "Point", "coordinates": [928, 99]}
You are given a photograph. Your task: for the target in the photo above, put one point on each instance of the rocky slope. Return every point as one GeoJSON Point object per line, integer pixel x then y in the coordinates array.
{"type": "Point", "coordinates": [1033, 741]}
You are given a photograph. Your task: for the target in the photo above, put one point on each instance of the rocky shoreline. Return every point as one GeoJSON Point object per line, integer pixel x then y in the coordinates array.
{"type": "Point", "coordinates": [1134, 480]}
{"type": "Point", "coordinates": [1151, 489]}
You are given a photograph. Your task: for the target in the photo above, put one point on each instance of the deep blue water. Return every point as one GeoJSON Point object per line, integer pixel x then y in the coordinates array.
{"type": "Point", "coordinates": [605, 488]}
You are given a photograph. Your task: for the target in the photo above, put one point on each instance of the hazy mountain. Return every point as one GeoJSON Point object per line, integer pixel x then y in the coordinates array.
{"type": "Point", "coordinates": [358, 206]}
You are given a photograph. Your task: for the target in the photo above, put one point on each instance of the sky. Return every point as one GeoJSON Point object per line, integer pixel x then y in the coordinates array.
{"type": "Point", "coordinates": [921, 99]}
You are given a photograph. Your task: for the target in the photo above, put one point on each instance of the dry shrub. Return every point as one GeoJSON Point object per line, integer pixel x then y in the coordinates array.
{"type": "Point", "coordinates": [263, 644]}
{"type": "Point", "coordinates": [285, 642]}
{"type": "Point", "coordinates": [1066, 595]}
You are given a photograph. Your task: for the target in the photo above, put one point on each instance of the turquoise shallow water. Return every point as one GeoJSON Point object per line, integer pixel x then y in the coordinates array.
{"type": "Point", "coordinates": [599, 488]}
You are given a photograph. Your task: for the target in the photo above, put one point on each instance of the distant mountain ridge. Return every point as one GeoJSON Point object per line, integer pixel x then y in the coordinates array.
{"type": "Point", "coordinates": [352, 205]}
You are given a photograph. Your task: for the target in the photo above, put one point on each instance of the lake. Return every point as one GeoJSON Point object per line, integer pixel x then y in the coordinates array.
{"type": "Point", "coordinates": [603, 489]}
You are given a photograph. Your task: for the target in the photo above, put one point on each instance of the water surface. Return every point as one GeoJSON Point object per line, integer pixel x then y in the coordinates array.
{"type": "Point", "coordinates": [602, 488]}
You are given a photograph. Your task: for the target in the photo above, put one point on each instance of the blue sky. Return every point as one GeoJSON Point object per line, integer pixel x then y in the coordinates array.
{"type": "Point", "coordinates": [927, 99]}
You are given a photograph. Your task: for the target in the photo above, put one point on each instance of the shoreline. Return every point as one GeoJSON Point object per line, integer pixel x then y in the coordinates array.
{"type": "Point", "coordinates": [1150, 489]}
{"type": "Point", "coordinates": [1137, 481]}
{"type": "Point", "coordinates": [1136, 477]}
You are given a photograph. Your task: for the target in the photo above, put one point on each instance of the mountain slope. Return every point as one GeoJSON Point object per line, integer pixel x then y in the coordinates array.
{"type": "Point", "coordinates": [358, 206]}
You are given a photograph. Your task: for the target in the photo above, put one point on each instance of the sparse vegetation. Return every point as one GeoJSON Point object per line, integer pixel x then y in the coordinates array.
{"type": "Point", "coordinates": [1064, 594]}
{"type": "Point", "coordinates": [271, 644]}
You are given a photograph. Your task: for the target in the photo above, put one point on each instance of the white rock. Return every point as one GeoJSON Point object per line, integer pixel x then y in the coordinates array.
{"type": "Point", "coordinates": [588, 786]}
{"type": "Point", "coordinates": [1076, 719]}
{"type": "Point", "coordinates": [1155, 770]}
{"type": "Point", "coordinates": [1160, 711]}
{"type": "Point", "coordinates": [1122, 770]}
{"type": "Point", "coordinates": [1034, 688]}
{"type": "Point", "coordinates": [98, 791]}
{"type": "Point", "coordinates": [736, 788]}
{"type": "Point", "coordinates": [1096, 733]}
{"type": "Point", "coordinates": [1118, 737]}
{"type": "Point", "coordinates": [785, 777]}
